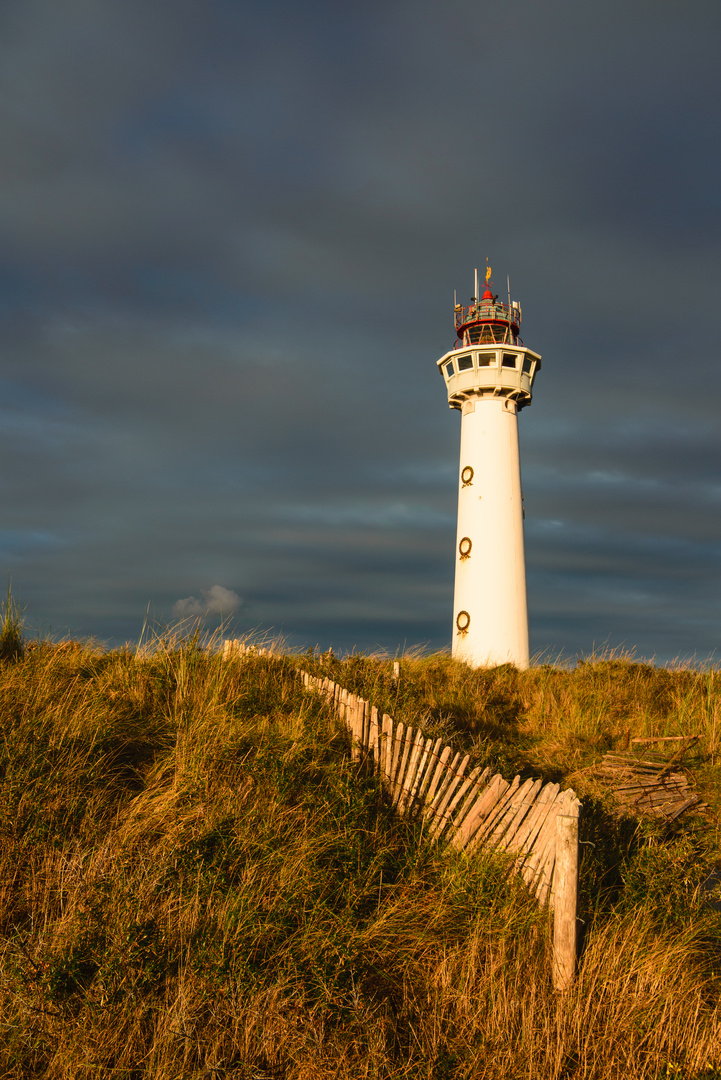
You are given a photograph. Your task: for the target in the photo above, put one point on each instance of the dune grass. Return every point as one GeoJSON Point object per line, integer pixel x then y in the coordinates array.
{"type": "Point", "coordinates": [196, 882]}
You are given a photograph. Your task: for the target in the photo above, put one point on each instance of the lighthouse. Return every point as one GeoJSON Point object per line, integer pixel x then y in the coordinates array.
{"type": "Point", "coordinates": [489, 377]}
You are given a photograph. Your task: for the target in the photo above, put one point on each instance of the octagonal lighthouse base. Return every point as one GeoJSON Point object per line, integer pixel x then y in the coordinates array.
{"type": "Point", "coordinates": [490, 612]}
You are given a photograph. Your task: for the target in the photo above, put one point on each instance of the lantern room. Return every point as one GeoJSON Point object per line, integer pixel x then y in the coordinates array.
{"type": "Point", "coordinates": [488, 321]}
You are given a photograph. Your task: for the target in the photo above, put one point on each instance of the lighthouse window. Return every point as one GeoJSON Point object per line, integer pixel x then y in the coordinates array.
{"type": "Point", "coordinates": [527, 365]}
{"type": "Point", "coordinates": [487, 359]}
{"type": "Point", "coordinates": [449, 369]}
{"type": "Point", "coordinates": [465, 362]}
{"type": "Point", "coordinates": [509, 360]}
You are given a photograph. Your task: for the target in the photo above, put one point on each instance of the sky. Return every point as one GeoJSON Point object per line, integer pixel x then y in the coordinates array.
{"type": "Point", "coordinates": [230, 233]}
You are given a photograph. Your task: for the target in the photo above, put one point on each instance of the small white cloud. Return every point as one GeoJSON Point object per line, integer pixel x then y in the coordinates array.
{"type": "Point", "coordinates": [217, 600]}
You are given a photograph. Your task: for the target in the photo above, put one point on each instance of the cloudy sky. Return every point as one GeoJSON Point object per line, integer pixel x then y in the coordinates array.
{"type": "Point", "coordinates": [230, 231]}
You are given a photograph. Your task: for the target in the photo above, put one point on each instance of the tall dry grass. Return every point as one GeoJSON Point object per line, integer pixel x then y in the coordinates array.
{"type": "Point", "coordinates": [553, 718]}
{"type": "Point", "coordinates": [196, 882]}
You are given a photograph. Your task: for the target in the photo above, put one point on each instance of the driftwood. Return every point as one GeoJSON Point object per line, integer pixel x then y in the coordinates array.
{"type": "Point", "coordinates": [652, 787]}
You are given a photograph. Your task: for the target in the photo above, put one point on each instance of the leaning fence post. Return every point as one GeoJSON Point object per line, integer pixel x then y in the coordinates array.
{"type": "Point", "coordinates": [565, 897]}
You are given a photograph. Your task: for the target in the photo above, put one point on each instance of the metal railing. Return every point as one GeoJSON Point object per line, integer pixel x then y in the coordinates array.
{"type": "Point", "coordinates": [487, 309]}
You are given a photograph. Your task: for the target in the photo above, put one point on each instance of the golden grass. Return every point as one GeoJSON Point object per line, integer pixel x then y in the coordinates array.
{"type": "Point", "coordinates": [196, 882]}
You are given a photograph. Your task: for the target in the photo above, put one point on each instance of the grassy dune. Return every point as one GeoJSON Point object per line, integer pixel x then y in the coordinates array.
{"type": "Point", "coordinates": [196, 882]}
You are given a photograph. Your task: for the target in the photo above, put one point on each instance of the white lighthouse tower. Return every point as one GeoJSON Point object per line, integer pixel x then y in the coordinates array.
{"type": "Point", "coordinates": [489, 375]}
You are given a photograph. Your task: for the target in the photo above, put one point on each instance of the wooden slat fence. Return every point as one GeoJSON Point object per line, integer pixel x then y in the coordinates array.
{"type": "Point", "coordinates": [233, 647]}
{"type": "Point", "coordinates": [470, 808]}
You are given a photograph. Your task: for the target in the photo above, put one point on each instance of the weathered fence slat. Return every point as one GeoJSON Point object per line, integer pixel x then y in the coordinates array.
{"type": "Point", "coordinates": [493, 792]}
{"type": "Point", "coordinates": [529, 865]}
{"type": "Point", "coordinates": [543, 881]}
{"type": "Point", "coordinates": [456, 786]}
{"type": "Point", "coordinates": [435, 780]}
{"type": "Point", "coordinates": [415, 792]}
{"type": "Point", "coordinates": [410, 777]}
{"type": "Point", "coordinates": [545, 842]}
{"type": "Point", "coordinates": [383, 750]}
{"type": "Point", "coordinates": [431, 762]}
{"type": "Point", "coordinates": [531, 826]}
{"type": "Point", "coordinates": [524, 809]}
{"type": "Point", "coordinates": [466, 798]}
{"type": "Point", "coordinates": [399, 738]}
{"type": "Point", "coordinates": [446, 778]}
{"type": "Point", "coordinates": [373, 735]}
{"type": "Point", "coordinates": [479, 785]}
{"type": "Point", "coordinates": [511, 812]}
{"type": "Point", "coordinates": [444, 799]}
{"type": "Point", "coordinates": [489, 823]}
{"type": "Point", "coordinates": [363, 727]}
{"type": "Point", "coordinates": [407, 744]}
{"type": "Point", "coordinates": [388, 728]}
{"type": "Point", "coordinates": [404, 742]}
{"type": "Point", "coordinates": [357, 728]}
{"type": "Point", "coordinates": [397, 749]}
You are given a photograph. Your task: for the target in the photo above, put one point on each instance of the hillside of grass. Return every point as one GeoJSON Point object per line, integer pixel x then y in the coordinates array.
{"type": "Point", "coordinates": [196, 881]}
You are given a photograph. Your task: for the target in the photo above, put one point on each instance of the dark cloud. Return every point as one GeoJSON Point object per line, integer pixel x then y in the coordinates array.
{"type": "Point", "coordinates": [230, 236]}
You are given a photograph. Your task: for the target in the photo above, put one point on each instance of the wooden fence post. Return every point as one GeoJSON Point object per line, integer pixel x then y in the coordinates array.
{"type": "Point", "coordinates": [565, 897]}
{"type": "Point", "coordinates": [356, 731]}
{"type": "Point", "coordinates": [373, 737]}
